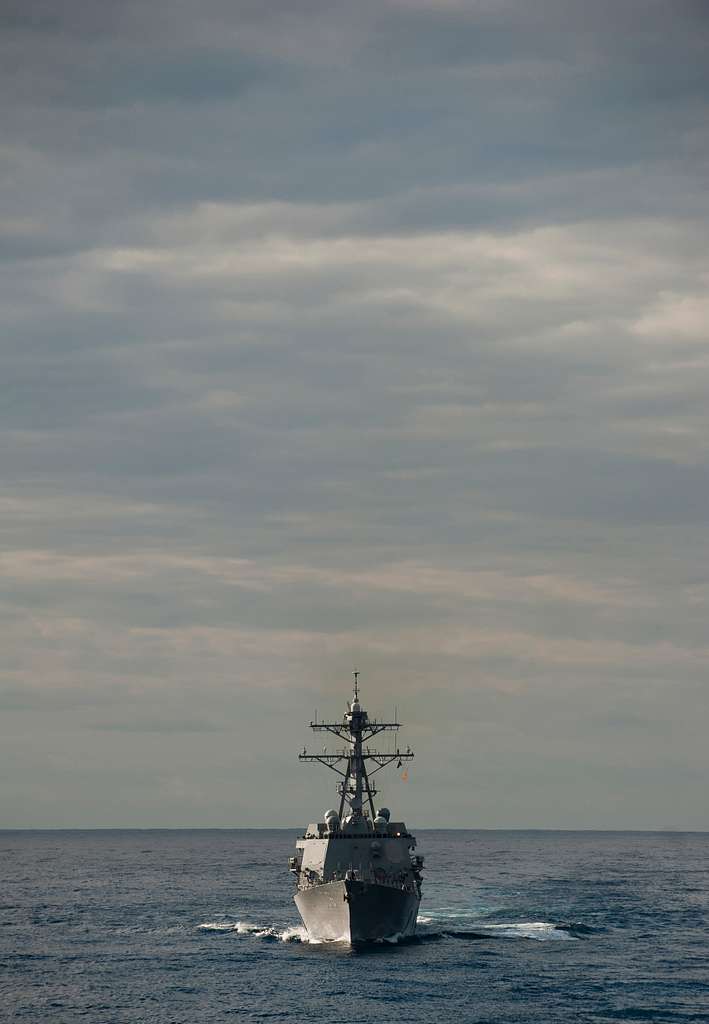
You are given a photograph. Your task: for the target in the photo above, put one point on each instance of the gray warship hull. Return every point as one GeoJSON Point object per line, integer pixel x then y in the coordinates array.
{"type": "Point", "coordinates": [357, 911]}
{"type": "Point", "coordinates": [357, 879]}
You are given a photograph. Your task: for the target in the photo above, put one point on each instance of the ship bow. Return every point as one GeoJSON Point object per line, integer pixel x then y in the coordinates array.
{"type": "Point", "coordinates": [357, 912]}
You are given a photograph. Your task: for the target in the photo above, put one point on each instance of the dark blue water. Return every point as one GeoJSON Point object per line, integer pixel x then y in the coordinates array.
{"type": "Point", "coordinates": [193, 926]}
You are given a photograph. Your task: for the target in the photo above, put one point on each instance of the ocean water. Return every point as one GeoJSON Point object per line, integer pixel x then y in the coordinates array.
{"type": "Point", "coordinates": [183, 927]}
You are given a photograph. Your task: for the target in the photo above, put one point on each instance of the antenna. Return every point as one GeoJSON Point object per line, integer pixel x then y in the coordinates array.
{"type": "Point", "coordinates": [356, 762]}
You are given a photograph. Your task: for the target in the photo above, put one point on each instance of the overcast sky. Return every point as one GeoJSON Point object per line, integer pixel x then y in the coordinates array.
{"type": "Point", "coordinates": [346, 335]}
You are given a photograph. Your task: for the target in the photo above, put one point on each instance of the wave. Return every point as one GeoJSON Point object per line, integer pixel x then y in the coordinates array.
{"type": "Point", "coordinates": [432, 927]}
{"type": "Point", "coordinates": [441, 923]}
{"type": "Point", "coordinates": [292, 933]}
{"type": "Point", "coordinates": [542, 931]}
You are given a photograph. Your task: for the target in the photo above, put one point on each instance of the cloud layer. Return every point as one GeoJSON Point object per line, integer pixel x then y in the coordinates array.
{"type": "Point", "coordinates": [368, 335]}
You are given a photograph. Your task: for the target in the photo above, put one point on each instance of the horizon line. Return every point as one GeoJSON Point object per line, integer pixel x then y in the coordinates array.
{"type": "Point", "coordinates": [299, 828]}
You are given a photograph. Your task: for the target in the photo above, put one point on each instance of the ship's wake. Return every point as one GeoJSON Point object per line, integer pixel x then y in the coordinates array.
{"type": "Point", "coordinates": [541, 931]}
{"type": "Point", "coordinates": [429, 929]}
{"type": "Point", "coordinates": [469, 925]}
{"type": "Point", "coordinates": [291, 933]}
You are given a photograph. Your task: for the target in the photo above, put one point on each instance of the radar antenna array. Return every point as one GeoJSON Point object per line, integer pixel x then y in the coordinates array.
{"type": "Point", "coordinates": [350, 763]}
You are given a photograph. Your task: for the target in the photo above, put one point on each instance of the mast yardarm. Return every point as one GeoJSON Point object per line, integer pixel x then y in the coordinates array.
{"type": "Point", "coordinates": [352, 762]}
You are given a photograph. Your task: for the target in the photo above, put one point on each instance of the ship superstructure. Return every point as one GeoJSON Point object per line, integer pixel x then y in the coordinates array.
{"type": "Point", "coordinates": [358, 879]}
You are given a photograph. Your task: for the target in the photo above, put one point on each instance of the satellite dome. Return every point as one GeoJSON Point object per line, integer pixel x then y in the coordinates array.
{"type": "Point", "coordinates": [380, 823]}
{"type": "Point", "coordinates": [331, 814]}
{"type": "Point", "coordinates": [384, 812]}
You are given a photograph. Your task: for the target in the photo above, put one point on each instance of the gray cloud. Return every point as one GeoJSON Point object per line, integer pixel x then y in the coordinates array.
{"type": "Point", "coordinates": [339, 336]}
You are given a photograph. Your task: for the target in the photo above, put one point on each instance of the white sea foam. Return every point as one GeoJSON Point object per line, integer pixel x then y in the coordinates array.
{"type": "Point", "coordinates": [446, 914]}
{"type": "Point", "coordinates": [296, 933]}
{"type": "Point", "coordinates": [453, 921]}
{"type": "Point", "coordinates": [391, 940]}
{"type": "Point", "coordinates": [542, 931]}
{"type": "Point", "coordinates": [293, 933]}
{"type": "Point", "coordinates": [247, 928]}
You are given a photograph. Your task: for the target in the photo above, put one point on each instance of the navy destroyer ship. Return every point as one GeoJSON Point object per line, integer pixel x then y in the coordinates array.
{"type": "Point", "coordinates": [357, 877]}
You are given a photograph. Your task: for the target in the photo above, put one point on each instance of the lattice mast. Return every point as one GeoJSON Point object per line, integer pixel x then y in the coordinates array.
{"type": "Point", "coordinates": [350, 763]}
